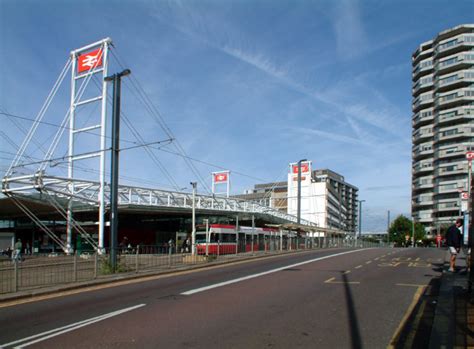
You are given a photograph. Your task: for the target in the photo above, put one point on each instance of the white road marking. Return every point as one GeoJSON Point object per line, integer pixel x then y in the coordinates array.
{"type": "Point", "coordinates": [225, 283]}
{"type": "Point", "coordinates": [71, 327]}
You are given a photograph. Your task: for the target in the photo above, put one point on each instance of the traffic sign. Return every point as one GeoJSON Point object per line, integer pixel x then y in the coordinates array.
{"type": "Point", "coordinates": [465, 195]}
{"type": "Point", "coordinates": [470, 155]}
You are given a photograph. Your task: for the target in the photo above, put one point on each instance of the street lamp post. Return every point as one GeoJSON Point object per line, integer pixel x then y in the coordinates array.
{"type": "Point", "coordinates": [116, 80]}
{"type": "Point", "coordinates": [298, 210]}
{"type": "Point", "coordinates": [298, 213]}
{"type": "Point", "coordinates": [360, 217]}
{"type": "Point", "coordinates": [193, 233]}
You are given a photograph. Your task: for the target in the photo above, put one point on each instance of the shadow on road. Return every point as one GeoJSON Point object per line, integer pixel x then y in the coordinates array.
{"type": "Point", "coordinates": [352, 315]}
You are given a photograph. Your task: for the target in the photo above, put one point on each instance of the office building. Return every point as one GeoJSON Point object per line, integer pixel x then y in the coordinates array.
{"type": "Point", "coordinates": [326, 198]}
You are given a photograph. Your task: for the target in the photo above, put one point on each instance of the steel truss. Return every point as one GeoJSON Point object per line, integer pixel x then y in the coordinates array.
{"type": "Point", "coordinates": [88, 193]}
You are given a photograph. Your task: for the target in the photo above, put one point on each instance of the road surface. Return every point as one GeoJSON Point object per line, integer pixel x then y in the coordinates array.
{"type": "Point", "coordinates": [329, 298]}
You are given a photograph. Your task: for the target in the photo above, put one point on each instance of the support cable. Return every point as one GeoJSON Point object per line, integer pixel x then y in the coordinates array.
{"type": "Point", "coordinates": [154, 112]}
{"type": "Point", "coordinates": [40, 116]}
{"type": "Point", "coordinates": [36, 220]}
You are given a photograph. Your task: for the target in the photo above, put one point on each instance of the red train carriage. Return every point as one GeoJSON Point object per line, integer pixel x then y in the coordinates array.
{"type": "Point", "coordinates": [224, 239]}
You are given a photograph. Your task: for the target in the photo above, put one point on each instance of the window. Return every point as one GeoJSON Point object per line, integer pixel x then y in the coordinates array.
{"type": "Point", "coordinates": [448, 97]}
{"type": "Point", "coordinates": [426, 113]}
{"type": "Point", "coordinates": [450, 132]}
{"type": "Point", "coordinates": [448, 62]}
{"type": "Point", "coordinates": [448, 79]}
{"type": "Point", "coordinates": [448, 44]}
{"type": "Point", "coordinates": [448, 115]}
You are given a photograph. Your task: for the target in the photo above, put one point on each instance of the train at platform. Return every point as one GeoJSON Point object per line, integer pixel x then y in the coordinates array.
{"type": "Point", "coordinates": [219, 239]}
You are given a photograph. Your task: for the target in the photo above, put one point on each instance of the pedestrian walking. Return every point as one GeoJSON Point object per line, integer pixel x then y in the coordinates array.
{"type": "Point", "coordinates": [16, 256]}
{"type": "Point", "coordinates": [454, 241]}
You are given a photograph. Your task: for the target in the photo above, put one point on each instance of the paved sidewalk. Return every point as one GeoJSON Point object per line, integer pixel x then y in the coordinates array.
{"type": "Point", "coordinates": [453, 323]}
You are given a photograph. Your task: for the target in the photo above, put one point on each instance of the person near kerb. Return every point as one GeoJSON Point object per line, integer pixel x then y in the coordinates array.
{"type": "Point", "coordinates": [17, 250]}
{"type": "Point", "coordinates": [454, 241]}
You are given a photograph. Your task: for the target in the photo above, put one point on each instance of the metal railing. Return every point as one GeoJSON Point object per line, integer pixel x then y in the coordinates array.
{"type": "Point", "coordinates": [38, 271]}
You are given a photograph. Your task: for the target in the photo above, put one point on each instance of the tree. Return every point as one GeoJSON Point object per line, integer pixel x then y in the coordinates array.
{"type": "Point", "coordinates": [401, 227]}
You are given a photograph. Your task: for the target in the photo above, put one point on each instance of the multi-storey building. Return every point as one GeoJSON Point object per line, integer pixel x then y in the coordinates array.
{"type": "Point", "coordinates": [326, 198]}
{"type": "Point", "coordinates": [443, 124]}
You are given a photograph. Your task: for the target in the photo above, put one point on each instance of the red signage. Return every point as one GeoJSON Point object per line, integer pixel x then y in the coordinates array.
{"type": "Point", "coordinates": [90, 60]}
{"type": "Point", "coordinates": [304, 168]}
{"type": "Point", "coordinates": [220, 177]}
{"type": "Point", "coordinates": [470, 155]}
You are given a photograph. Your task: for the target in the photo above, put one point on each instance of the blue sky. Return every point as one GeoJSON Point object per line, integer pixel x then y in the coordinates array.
{"type": "Point", "coordinates": [248, 86]}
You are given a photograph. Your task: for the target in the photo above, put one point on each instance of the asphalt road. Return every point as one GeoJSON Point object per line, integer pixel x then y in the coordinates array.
{"type": "Point", "coordinates": [334, 298]}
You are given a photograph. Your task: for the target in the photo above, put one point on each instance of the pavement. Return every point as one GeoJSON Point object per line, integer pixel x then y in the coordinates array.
{"type": "Point", "coordinates": [453, 317]}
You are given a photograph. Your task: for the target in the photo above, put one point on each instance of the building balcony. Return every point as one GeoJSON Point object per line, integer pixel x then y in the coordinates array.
{"type": "Point", "coordinates": [448, 187]}
{"type": "Point", "coordinates": [454, 169]}
{"type": "Point", "coordinates": [423, 52]}
{"type": "Point", "coordinates": [423, 135]}
{"type": "Point", "coordinates": [451, 151]}
{"type": "Point", "coordinates": [423, 117]}
{"type": "Point", "coordinates": [452, 81]}
{"type": "Point", "coordinates": [419, 103]}
{"type": "Point", "coordinates": [456, 98]}
{"type": "Point", "coordinates": [427, 203]}
{"type": "Point", "coordinates": [455, 114]}
{"type": "Point", "coordinates": [421, 69]}
{"type": "Point", "coordinates": [423, 183]}
{"type": "Point", "coordinates": [452, 45]}
{"type": "Point", "coordinates": [422, 153]}
{"type": "Point", "coordinates": [426, 215]}
{"type": "Point", "coordinates": [453, 133]}
{"type": "Point", "coordinates": [420, 87]}
{"type": "Point", "coordinates": [453, 63]}
{"type": "Point", "coordinates": [448, 206]}
{"type": "Point", "coordinates": [421, 167]}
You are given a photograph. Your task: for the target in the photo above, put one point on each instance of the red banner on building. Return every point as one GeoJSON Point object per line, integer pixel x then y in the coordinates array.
{"type": "Point", "coordinates": [220, 177]}
{"type": "Point", "coordinates": [90, 60]}
{"type": "Point", "coordinates": [304, 168]}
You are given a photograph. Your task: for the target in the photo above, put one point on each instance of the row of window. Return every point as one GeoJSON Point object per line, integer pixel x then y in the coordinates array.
{"type": "Point", "coordinates": [454, 95]}
{"type": "Point", "coordinates": [454, 42]}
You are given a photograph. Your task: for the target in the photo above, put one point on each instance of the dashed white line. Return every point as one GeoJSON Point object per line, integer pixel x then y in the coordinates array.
{"type": "Point", "coordinates": [248, 277]}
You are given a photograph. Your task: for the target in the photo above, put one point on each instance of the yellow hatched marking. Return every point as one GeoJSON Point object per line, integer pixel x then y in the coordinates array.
{"type": "Point", "coordinates": [419, 292]}
{"type": "Point", "coordinates": [376, 259]}
{"type": "Point", "coordinates": [410, 285]}
{"type": "Point", "coordinates": [359, 266]}
{"type": "Point", "coordinates": [368, 262]}
{"type": "Point", "coordinates": [329, 280]}
{"type": "Point", "coordinates": [347, 272]}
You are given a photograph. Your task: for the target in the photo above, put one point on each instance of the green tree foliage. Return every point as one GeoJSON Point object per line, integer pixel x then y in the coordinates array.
{"type": "Point", "coordinates": [401, 227]}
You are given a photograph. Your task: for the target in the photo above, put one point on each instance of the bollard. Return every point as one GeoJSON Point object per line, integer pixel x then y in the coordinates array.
{"type": "Point", "coordinates": [169, 256]}
{"type": "Point", "coordinates": [96, 260]}
{"type": "Point", "coordinates": [15, 275]}
{"type": "Point", "coordinates": [136, 258]}
{"type": "Point", "coordinates": [74, 275]}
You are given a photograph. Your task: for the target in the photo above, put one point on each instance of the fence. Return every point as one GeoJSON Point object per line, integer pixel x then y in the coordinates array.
{"type": "Point", "coordinates": [36, 271]}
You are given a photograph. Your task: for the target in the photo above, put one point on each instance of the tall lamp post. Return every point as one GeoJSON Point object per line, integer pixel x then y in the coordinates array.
{"type": "Point", "coordinates": [193, 233]}
{"type": "Point", "coordinates": [360, 217]}
{"type": "Point", "coordinates": [116, 80]}
{"type": "Point", "coordinates": [298, 210]}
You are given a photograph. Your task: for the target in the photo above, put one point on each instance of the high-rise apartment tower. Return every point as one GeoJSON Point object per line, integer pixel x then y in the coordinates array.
{"type": "Point", "coordinates": [443, 124]}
